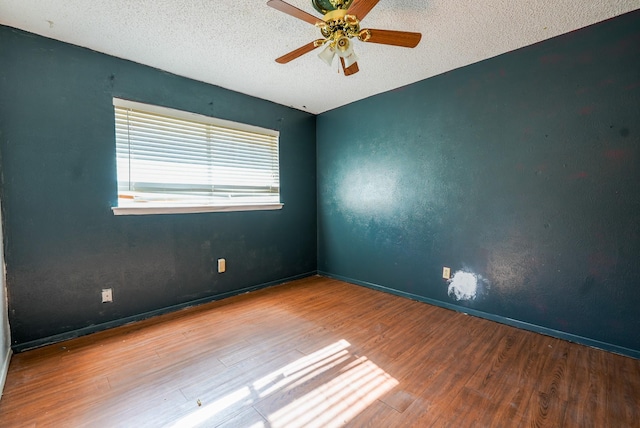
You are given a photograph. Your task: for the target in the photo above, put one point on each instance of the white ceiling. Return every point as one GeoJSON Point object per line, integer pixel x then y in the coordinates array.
{"type": "Point", "coordinates": [233, 43]}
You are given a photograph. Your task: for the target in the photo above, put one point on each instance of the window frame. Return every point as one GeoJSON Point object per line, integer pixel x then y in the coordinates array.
{"type": "Point", "coordinates": [149, 208]}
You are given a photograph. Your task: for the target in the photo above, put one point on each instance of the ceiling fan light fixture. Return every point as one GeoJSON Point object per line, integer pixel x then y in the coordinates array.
{"type": "Point", "coordinates": [343, 44]}
{"type": "Point", "coordinates": [327, 54]}
{"type": "Point", "coordinates": [350, 59]}
{"type": "Point", "coordinates": [345, 51]}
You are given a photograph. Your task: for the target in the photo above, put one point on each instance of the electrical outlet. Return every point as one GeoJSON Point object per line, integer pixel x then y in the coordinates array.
{"type": "Point", "coordinates": [446, 272]}
{"type": "Point", "coordinates": [107, 295]}
{"type": "Point", "coordinates": [222, 265]}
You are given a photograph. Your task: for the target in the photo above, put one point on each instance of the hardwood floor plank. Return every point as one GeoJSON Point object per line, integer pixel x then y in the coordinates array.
{"type": "Point", "coordinates": [440, 392]}
{"type": "Point", "coordinates": [468, 408]}
{"type": "Point", "coordinates": [376, 415]}
{"type": "Point", "coordinates": [415, 370]}
{"type": "Point", "coordinates": [627, 376]}
{"type": "Point", "coordinates": [319, 352]}
{"type": "Point", "coordinates": [249, 418]}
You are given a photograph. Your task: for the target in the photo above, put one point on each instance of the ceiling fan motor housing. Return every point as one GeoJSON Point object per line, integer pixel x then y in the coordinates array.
{"type": "Point", "coordinates": [324, 6]}
{"type": "Point", "coordinates": [337, 23]}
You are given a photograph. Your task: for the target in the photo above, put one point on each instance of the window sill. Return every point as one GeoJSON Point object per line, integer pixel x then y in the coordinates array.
{"type": "Point", "coordinates": [193, 209]}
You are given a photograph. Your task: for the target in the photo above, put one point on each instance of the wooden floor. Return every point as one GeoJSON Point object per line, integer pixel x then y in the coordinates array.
{"type": "Point", "coordinates": [319, 353]}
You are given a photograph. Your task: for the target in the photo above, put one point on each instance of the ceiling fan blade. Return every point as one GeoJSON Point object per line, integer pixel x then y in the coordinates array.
{"type": "Point", "coordinates": [360, 8]}
{"type": "Point", "coordinates": [352, 69]}
{"type": "Point", "coordinates": [389, 37]}
{"type": "Point", "coordinates": [285, 7]}
{"type": "Point", "coordinates": [298, 52]}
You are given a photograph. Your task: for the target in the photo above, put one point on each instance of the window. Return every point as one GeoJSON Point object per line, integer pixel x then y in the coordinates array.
{"type": "Point", "coordinates": [171, 161]}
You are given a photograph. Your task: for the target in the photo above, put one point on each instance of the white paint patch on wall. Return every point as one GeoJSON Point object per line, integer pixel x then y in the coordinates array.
{"type": "Point", "coordinates": [463, 285]}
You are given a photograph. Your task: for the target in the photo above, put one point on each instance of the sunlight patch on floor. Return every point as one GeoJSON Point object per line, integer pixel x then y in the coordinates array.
{"type": "Point", "coordinates": [303, 369]}
{"type": "Point", "coordinates": [338, 401]}
{"type": "Point", "coordinates": [211, 410]}
{"type": "Point", "coordinates": [354, 383]}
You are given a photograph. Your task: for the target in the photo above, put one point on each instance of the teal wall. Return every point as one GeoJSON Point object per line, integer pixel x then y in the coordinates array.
{"type": "Point", "coordinates": [523, 169]}
{"type": "Point", "coordinates": [62, 242]}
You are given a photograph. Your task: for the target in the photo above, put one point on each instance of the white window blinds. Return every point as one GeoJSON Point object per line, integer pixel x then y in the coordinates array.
{"type": "Point", "coordinates": [168, 157]}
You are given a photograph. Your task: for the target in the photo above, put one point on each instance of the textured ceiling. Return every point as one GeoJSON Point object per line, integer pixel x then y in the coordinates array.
{"type": "Point", "coordinates": [233, 43]}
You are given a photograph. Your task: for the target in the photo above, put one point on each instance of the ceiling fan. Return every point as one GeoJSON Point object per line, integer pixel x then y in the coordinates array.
{"type": "Point", "coordinates": [340, 24]}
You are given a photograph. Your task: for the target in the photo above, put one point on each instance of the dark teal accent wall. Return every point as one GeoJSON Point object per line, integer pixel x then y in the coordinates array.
{"type": "Point", "coordinates": [523, 169]}
{"type": "Point", "coordinates": [62, 242]}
